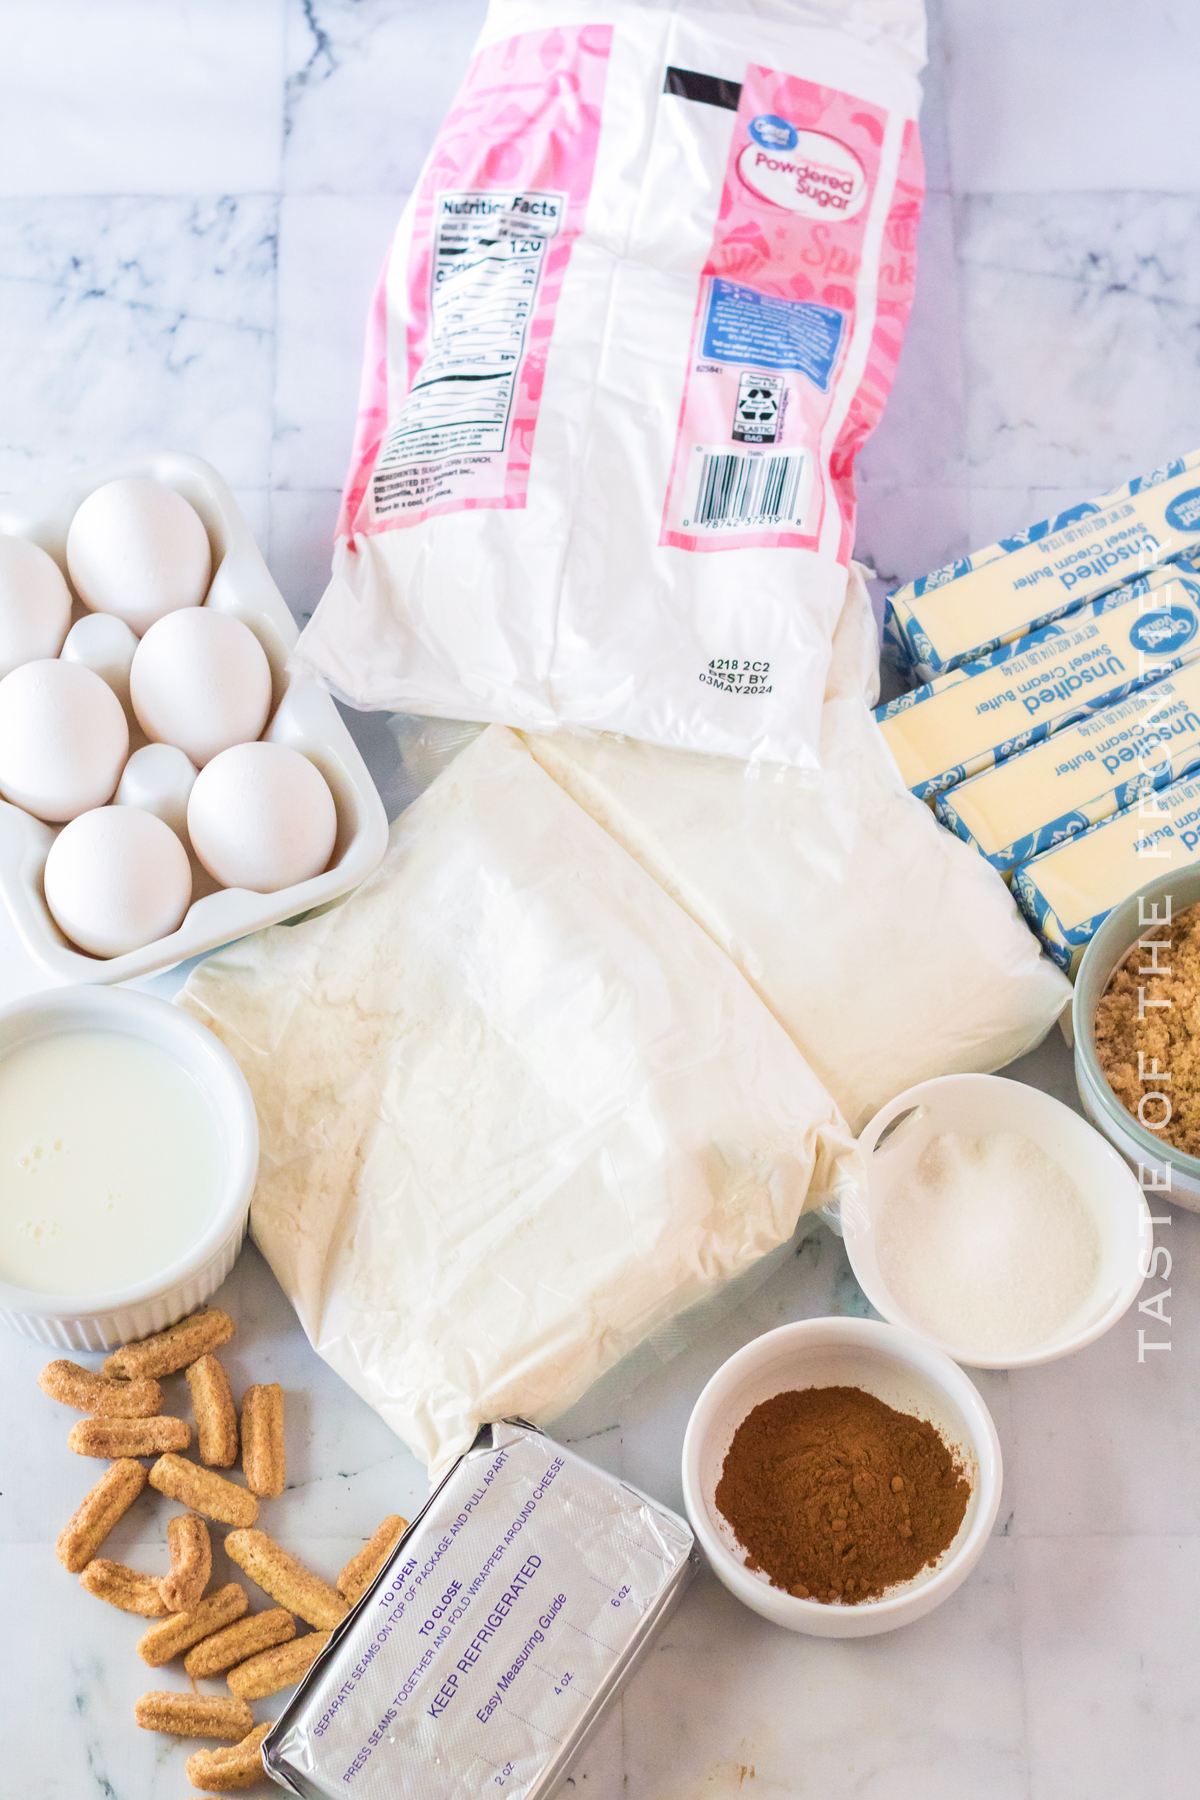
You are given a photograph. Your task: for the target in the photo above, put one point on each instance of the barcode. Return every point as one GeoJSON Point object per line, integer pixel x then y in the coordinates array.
{"type": "Point", "coordinates": [747, 490]}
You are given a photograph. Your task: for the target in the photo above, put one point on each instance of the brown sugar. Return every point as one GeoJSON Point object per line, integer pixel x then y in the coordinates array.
{"type": "Point", "coordinates": [1159, 979]}
{"type": "Point", "coordinates": [836, 1496]}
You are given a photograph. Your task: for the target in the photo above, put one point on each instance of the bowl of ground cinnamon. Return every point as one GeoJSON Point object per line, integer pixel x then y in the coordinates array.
{"type": "Point", "coordinates": [842, 1476]}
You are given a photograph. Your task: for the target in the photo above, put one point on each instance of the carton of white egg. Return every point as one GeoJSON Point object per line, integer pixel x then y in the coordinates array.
{"type": "Point", "coordinates": [166, 783]}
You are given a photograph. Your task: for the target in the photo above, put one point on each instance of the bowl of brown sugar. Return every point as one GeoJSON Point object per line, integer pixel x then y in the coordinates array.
{"type": "Point", "coordinates": [842, 1476]}
{"type": "Point", "coordinates": [1136, 1017]}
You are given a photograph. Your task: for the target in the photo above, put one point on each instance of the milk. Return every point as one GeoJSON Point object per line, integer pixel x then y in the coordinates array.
{"type": "Point", "coordinates": [109, 1163]}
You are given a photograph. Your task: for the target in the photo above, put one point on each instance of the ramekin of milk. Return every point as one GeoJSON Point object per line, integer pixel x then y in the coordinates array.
{"type": "Point", "coordinates": [997, 1223]}
{"type": "Point", "coordinates": [128, 1156]}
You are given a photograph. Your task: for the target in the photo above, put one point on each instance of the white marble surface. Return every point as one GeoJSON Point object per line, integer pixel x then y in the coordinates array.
{"type": "Point", "coordinates": [194, 201]}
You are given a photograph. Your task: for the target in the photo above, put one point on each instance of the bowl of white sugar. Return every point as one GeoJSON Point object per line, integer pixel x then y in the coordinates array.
{"type": "Point", "coordinates": [128, 1156]}
{"type": "Point", "coordinates": [996, 1222]}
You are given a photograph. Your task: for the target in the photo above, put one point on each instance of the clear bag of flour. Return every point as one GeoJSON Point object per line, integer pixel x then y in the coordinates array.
{"type": "Point", "coordinates": [889, 950]}
{"type": "Point", "coordinates": [516, 1110]}
{"type": "Point", "coordinates": [640, 313]}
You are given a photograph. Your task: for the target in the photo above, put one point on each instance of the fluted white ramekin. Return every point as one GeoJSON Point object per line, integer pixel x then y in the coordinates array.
{"type": "Point", "coordinates": [100, 1321]}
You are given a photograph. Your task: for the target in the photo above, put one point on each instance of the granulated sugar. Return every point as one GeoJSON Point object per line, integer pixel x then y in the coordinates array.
{"type": "Point", "coordinates": [989, 1245]}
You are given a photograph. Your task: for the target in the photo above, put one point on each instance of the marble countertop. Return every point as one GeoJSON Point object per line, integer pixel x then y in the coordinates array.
{"type": "Point", "coordinates": [195, 199]}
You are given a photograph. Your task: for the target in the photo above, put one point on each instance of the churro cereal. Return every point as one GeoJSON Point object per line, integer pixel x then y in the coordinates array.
{"type": "Point", "coordinates": [100, 1395]}
{"type": "Point", "coordinates": [225, 1649]}
{"type": "Point", "coordinates": [272, 1670]}
{"type": "Point", "coordinates": [124, 1588]}
{"type": "Point", "coordinates": [216, 1415]}
{"type": "Point", "coordinates": [203, 1491]}
{"type": "Point", "coordinates": [227, 1771]}
{"type": "Point", "coordinates": [191, 1562]}
{"type": "Point", "coordinates": [98, 1512]}
{"type": "Point", "coordinates": [263, 1458]}
{"type": "Point", "coordinates": [178, 1633]}
{"type": "Point", "coordinates": [362, 1569]}
{"type": "Point", "coordinates": [129, 1437]}
{"type": "Point", "coordinates": [173, 1349]}
{"type": "Point", "coordinates": [286, 1579]}
{"type": "Point", "coordinates": [194, 1715]}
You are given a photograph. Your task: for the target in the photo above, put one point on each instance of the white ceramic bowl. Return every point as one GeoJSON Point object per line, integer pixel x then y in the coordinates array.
{"type": "Point", "coordinates": [100, 1321]}
{"type": "Point", "coordinates": [303, 716]}
{"type": "Point", "coordinates": [899, 1369]}
{"type": "Point", "coordinates": [1106, 951]}
{"type": "Point", "coordinates": [978, 1104]}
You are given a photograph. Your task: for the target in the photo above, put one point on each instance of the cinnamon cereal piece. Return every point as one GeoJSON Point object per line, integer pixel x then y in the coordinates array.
{"type": "Point", "coordinates": [263, 1456]}
{"type": "Point", "coordinates": [99, 1394]}
{"type": "Point", "coordinates": [123, 1587]}
{"type": "Point", "coordinates": [362, 1569]}
{"type": "Point", "coordinates": [272, 1670]}
{"type": "Point", "coordinates": [178, 1633]}
{"type": "Point", "coordinates": [191, 1562]}
{"type": "Point", "coordinates": [194, 1715]}
{"type": "Point", "coordinates": [203, 1491]}
{"type": "Point", "coordinates": [98, 1512]}
{"type": "Point", "coordinates": [216, 1415]}
{"type": "Point", "coordinates": [173, 1349]}
{"type": "Point", "coordinates": [129, 1437]}
{"type": "Point", "coordinates": [230, 1770]}
{"type": "Point", "coordinates": [225, 1649]}
{"type": "Point", "coordinates": [286, 1579]}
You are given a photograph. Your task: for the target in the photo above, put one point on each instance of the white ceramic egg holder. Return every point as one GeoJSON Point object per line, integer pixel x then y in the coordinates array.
{"type": "Point", "coordinates": [303, 716]}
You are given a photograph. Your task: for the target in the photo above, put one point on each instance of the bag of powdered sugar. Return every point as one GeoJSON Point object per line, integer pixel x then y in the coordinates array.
{"type": "Point", "coordinates": [640, 313]}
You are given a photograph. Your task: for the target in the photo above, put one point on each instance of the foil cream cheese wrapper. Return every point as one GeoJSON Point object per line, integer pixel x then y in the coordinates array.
{"type": "Point", "coordinates": [503, 1624]}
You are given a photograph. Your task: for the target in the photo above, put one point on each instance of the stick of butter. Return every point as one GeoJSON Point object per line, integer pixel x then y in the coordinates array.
{"type": "Point", "coordinates": [1082, 774]}
{"type": "Point", "coordinates": [1067, 893]}
{"type": "Point", "coordinates": [963, 611]}
{"type": "Point", "coordinates": [977, 715]}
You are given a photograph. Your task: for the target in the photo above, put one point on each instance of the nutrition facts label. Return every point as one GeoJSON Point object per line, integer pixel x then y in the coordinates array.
{"type": "Point", "coordinates": [511, 1606]}
{"type": "Point", "coordinates": [488, 251]}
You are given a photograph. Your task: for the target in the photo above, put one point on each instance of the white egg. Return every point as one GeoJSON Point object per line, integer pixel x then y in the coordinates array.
{"type": "Point", "coordinates": [137, 549]}
{"type": "Point", "coordinates": [104, 644]}
{"type": "Point", "coordinates": [116, 879]}
{"type": "Point", "coordinates": [201, 681]}
{"type": "Point", "coordinates": [63, 739]}
{"type": "Point", "coordinates": [262, 817]}
{"type": "Point", "coordinates": [158, 779]}
{"type": "Point", "coordinates": [35, 604]}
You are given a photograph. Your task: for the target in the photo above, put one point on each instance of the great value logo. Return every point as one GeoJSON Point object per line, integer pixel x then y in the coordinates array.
{"type": "Point", "coordinates": [773, 133]}
{"type": "Point", "coordinates": [1162, 632]}
{"type": "Point", "coordinates": [802, 171]}
{"type": "Point", "coordinates": [1183, 514]}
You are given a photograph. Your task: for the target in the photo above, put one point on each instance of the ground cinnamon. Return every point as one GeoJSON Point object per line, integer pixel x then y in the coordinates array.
{"type": "Point", "coordinates": [836, 1496]}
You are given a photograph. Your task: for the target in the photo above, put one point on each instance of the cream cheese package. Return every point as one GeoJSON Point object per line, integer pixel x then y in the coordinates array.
{"type": "Point", "coordinates": [977, 715]}
{"type": "Point", "coordinates": [966, 609]}
{"type": "Point", "coordinates": [1068, 892]}
{"type": "Point", "coordinates": [641, 311]}
{"type": "Point", "coordinates": [501, 1627]}
{"type": "Point", "coordinates": [1085, 773]}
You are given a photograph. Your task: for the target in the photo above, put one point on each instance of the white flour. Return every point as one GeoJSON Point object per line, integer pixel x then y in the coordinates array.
{"type": "Point", "coordinates": [990, 1246]}
{"type": "Point", "coordinates": [516, 1109]}
{"type": "Point", "coordinates": [888, 950]}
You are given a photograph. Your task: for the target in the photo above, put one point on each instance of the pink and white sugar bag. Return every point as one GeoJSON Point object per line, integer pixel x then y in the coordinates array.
{"type": "Point", "coordinates": [640, 314]}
